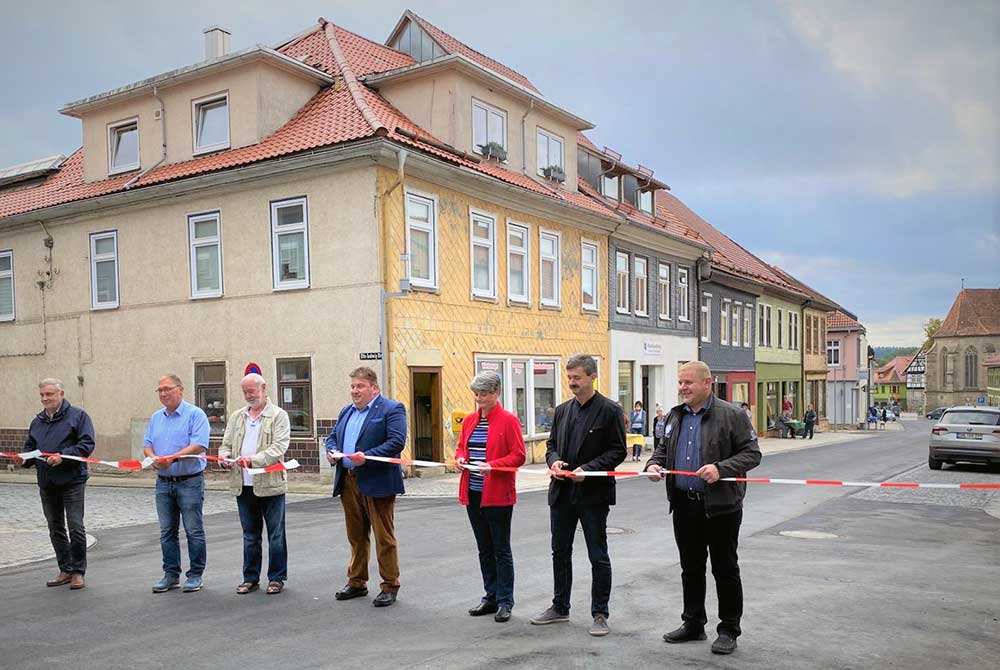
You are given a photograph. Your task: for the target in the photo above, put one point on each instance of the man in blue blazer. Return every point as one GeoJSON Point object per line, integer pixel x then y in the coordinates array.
{"type": "Point", "coordinates": [370, 426]}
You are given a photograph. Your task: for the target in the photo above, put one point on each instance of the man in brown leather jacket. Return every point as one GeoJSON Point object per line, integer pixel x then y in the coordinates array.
{"type": "Point", "coordinates": [712, 439]}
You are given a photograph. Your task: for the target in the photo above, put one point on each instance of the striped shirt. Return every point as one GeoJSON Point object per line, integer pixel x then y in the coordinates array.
{"type": "Point", "coordinates": [477, 453]}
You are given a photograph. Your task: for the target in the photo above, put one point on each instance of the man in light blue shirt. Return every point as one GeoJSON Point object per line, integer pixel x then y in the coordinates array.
{"type": "Point", "coordinates": [353, 430]}
{"type": "Point", "coordinates": [179, 429]}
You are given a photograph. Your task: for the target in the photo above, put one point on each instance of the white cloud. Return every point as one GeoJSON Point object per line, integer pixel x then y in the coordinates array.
{"type": "Point", "coordinates": [901, 331]}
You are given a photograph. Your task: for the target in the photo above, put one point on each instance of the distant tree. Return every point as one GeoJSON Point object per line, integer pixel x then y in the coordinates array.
{"type": "Point", "coordinates": [930, 327]}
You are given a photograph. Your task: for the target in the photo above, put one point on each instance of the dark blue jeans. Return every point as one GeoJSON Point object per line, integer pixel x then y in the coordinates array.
{"type": "Point", "coordinates": [176, 501]}
{"type": "Point", "coordinates": [563, 518]}
{"type": "Point", "coordinates": [491, 526]}
{"type": "Point", "coordinates": [254, 513]}
{"type": "Point", "coordinates": [63, 508]}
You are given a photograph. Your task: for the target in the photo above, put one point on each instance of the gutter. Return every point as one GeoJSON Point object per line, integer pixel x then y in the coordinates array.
{"type": "Point", "coordinates": [163, 133]}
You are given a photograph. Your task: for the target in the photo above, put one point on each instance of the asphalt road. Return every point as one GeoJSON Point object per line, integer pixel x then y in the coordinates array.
{"type": "Point", "coordinates": [903, 584]}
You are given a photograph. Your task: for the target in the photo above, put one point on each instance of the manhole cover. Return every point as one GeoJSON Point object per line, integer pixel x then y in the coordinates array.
{"type": "Point", "coordinates": [808, 534]}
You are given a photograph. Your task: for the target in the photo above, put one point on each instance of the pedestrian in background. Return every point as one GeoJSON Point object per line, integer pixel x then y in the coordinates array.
{"type": "Point", "coordinates": [659, 427]}
{"type": "Point", "coordinates": [179, 429]}
{"type": "Point", "coordinates": [61, 429]}
{"type": "Point", "coordinates": [810, 420]}
{"type": "Point", "coordinates": [258, 436]}
{"type": "Point", "coordinates": [637, 426]}
{"type": "Point", "coordinates": [708, 436]}
{"type": "Point", "coordinates": [491, 438]}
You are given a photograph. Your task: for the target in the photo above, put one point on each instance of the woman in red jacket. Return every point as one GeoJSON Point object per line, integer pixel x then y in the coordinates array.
{"type": "Point", "coordinates": [491, 438]}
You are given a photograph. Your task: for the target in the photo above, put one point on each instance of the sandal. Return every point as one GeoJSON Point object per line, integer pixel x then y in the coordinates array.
{"type": "Point", "coordinates": [274, 588]}
{"type": "Point", "coordinates": [247, 587]}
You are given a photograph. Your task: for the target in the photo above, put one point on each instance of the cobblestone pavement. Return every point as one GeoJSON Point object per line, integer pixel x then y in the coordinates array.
{"type": "Point", "coordinates": [987, 500]}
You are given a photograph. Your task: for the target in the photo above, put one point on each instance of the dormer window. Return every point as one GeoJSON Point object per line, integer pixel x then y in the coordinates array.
{"type": "Point", "coordinates": [211, 123]}
{"type": "Point", "coordinates": [489, 130]}
{"type": "Point", "coordinates": [645, 201]}
{"type": "Point", "coordinates": [123, 146]}
{"type": "Point", "coordinates": [417, 43]}
{"type": "Point", "coordinates": [609, 187]}
{"type": "Point", "coordinates": [550, 151]}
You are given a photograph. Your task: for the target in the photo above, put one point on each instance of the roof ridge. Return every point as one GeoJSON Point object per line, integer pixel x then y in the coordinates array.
{"type": "Point", "coordinates": [351, 81]}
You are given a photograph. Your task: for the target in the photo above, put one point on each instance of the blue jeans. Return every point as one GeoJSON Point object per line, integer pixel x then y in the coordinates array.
{"type": "Point", "coordinates": [254, 513]}
{"type": "Point", "coordinates": [491, 526]}
{"type": "Point", "coordinates": [563, 518]}
{"type": "Point", "coordinates": [174, 501]}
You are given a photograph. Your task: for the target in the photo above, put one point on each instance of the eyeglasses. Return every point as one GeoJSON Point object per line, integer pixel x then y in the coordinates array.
{"type": "Point", "coordinates": [166, 389]}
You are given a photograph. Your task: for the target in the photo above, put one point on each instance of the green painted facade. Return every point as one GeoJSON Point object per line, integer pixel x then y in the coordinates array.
{"type": "Point", "coordinates": [887, 393]}
{"type": "Point", "coordinates": [774, 382]}
{"type": "Point", "coordinates": [778, 363]}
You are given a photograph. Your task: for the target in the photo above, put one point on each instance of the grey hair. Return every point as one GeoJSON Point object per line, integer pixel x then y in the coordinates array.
{"type": "Point", "coordinates": [485, 382]}
{"type": "Point", "coordinates": [174, 379]}
{"type": "Point", "coordinates": [256, 378]}
{"type": "Point", "coordinates": [588, 363]}
{"type": "Point", "coordinates": [51, 381]}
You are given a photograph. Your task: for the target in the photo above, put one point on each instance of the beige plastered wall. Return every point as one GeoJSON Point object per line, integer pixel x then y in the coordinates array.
{"type": "Point", "coordinates": [120, 353]}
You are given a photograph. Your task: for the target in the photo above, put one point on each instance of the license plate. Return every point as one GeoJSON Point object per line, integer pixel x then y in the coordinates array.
{"type": "Point", "coordinates": [968, 436]}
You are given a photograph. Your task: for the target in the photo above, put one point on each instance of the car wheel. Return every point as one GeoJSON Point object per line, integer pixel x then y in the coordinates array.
{"type": "Point", "coordinates": [933, 464]}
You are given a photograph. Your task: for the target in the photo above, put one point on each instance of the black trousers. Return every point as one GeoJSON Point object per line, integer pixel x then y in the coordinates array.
{"type": "Point", "coordinates": [563, 518]}
{"type": "Point", "coordinates": [808, 430]}
{"type": "Point", "coordinates": [698, 535]}
{"type": "Point", "coordinates": [63, 507]}
{"type": "Point", "coordinates": [491, 526]}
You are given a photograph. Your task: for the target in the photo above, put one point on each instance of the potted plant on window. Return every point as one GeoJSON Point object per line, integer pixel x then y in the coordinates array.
{"type": "Point", "coordinates": [493, 150]}
{"type": "Point", "coordinates": [555, 173]}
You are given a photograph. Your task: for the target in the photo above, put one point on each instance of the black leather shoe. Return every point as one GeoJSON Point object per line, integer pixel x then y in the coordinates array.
{"type": "Point", "coordinates": [724, 644]}
{"type": "Point", "coordinates": [384, 599]}
{"type": "Point", "coordinates": [484, 607]}
{"type": "Point", "coordinates": [502, 615]}
{"type": "Point", "coordinates": [685, 634]}
{"type": "Point", "coordinates": [349, 592]}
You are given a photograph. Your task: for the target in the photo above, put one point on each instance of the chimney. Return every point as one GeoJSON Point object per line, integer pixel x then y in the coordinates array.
{"type": "Point", "coordinates": [216, 42]}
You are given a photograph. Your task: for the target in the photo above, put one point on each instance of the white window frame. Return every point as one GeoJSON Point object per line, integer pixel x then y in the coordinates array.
{"type": "Point", "coordinates": [724, 312]}
{"type": "Point", "coordinates": [735, 313]}
{"type": "Point", "coordinates": [663, 290]}
{"type": "Point", "coordinates": [556, 300]}
{"type": "Point", "coordinates": [593, 267]}
{"type": "Point", "coordinates": [768, 314]}
{"type": "Point", "coordinates": [641, 291]}
{"type": "Point", "coordinates": [780, 324]}
{"type": "Point", "coordinates": [549, 137]}
{"type": "Point", "coordinates": [195, 244]}
{"type": "Point", "coordinates": [96, 258]}
{"type": "Point", "coordinates": [524, 251]}
{"type": "Point", "coordinates": [705, 315]}
{"type": "Point", "coordinates": [793, 331]}
{"type": "Point", "coordinates": [431, 228]}
{"type": "Point", "coordinates": [489, 109]}
{"type": "Point", "coordinates": [639, 202]}
{"type": "Point", "coordinates": [684, 290]}
{"type": "Point", "coordinates": [196, 105]}
{"type": "Point", "coordinates": [490, 245]}
{"type": "Point", "coordinates": [623, 306]}
{"type": "Point", "coordinates": [833, 347]}
{"type": "Point", "coordinates": [9, 253]}
{"type": "Point", "coordinates": [303, 227]}
{"type": "Point", "coordinates": [747, 325]}
{"type": "Point", "coordinates": [507, 390]}
{"type": "Point", "coordinates": [605, 181]}
{"type": "Point", "coordinates": [113, 129]}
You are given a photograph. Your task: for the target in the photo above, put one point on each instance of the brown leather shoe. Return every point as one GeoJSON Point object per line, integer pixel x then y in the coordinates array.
{"type": "Point", "coordinates": [61, 578]}
{"type": "Point", "coordinates": [76, 581]}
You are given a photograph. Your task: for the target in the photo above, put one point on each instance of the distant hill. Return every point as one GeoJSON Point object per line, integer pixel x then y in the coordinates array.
{"type": "Point", "coordinates": [885, 354]}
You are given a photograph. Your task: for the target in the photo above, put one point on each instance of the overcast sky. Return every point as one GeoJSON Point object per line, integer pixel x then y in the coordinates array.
{"type": "Point", "coordinates": [855, 144]}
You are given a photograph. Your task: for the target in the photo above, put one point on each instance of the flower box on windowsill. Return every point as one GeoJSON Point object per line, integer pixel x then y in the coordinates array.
{"type": "Point", "coordinates": [493, 150]}
{"type": "Point", "coordinates": [555, 173]}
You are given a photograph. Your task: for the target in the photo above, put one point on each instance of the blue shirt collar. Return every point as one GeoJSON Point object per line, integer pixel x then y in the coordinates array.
{"type": "Point", "coordinates": [704, 408]}
{"type": "Point", "coordinates": [180, 409]}
{"type": "Point", "coordinates": [368, 406]}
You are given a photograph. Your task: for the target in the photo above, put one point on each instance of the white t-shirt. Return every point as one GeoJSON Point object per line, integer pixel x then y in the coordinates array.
{"type": "Point", "coordinates": [249, 447]}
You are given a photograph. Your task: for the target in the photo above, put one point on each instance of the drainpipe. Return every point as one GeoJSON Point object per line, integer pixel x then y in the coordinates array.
{"type": "Point", "coordinates": [524, 138]}
{"type": "Point", "coordinates": [163, 134]}
{"type": "Point", "coordinates": [404, 284]}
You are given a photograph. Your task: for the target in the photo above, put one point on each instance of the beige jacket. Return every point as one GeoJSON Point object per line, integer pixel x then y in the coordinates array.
{"type": "Point", "coordinates": [272, 443]}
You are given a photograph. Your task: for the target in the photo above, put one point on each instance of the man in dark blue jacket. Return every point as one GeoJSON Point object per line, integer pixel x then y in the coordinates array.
{"type": "Point", "coordinates": [371, 425]}
{"type": "Point", "coordinates": [62, 430]}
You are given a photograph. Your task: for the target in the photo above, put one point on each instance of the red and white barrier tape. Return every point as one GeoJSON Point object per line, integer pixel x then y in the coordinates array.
{"type": "Point", "coordinates": [136, 465]}
{"type": "Point", "coordinates": [627, 474]}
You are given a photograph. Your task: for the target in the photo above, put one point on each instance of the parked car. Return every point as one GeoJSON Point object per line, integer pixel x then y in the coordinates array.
{"type": "Point", "coordinates": [936, 413]}
{"type": "Point", "coordinates": [965, 434]}
{"type": "Point", "coordinates": [889, 414]}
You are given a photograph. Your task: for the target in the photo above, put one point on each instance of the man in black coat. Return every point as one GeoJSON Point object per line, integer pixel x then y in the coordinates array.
{"type": "Point", "coordinates": [587, 434]}
{"type": "Point", "coordinates": [711, 439]}
{"type": "Point", "coordinates": [62, 430]}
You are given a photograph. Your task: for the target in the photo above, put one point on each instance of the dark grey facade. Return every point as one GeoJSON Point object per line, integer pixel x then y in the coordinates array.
{"type": "Point", "coordinates": [626, 316]}
{"type": "Point", "coordinates": [721, 356]}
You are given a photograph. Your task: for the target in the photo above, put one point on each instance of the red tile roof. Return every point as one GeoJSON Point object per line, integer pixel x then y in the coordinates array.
{"type": "Point", "coordinates": [840, 321]}
{"type": "Point", "coordinates": [803, 287]}
{"type": "Point", "coordinates": [341, 113]}
{"type": "Point", "coordinates": [452, 45]}
{"type": "Point", "coordinates": [728, 255]}
{"type": "Point", "coordinates": [976, 311]}
{"type": "Point", "coordinates": [637, 216]}
{"type": "Point", "coordinates": [894, 371]}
